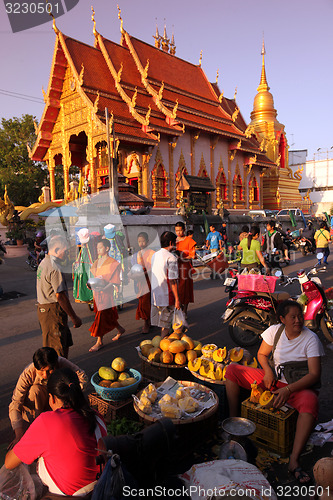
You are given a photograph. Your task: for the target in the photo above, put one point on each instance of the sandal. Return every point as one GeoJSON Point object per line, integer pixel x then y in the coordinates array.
{"type": "Point", "coordinates": [300, 475]}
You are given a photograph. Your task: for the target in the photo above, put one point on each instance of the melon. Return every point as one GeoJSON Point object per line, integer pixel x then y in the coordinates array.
{"type": "Point", "coordinates": [165, 344]}
{"type": "Point", "coordinates": [156, 341]}
{"type": "Point", "coordinates": [235, 354]}
{"type": "Point", "coordinates": [145, 342]}
{"type": "Point", "coordinates": [119, 364]}
{"type": "Point", "coordinates": [180, 358]}
{"type": "Point", "coordinates": [266, 399]}
{"type": "Point", "coordinates": [154, 354]}
{"type": "Point", "coordinates": [174, 336]}
{"type": "Point", "coordinates": [166, 357]}
{"type": "Point", "coordinates": [220, 354]}
{"type": "Point", "coordinates": [188, 341]}
{"type": "Point", "coordinates": [145, 350]}
{"type": "Point", "coordinates": [177, 346]}
{"type": "Point", "coordinates": [107, 373]}
{"type": "Point", "coordinates": [191, 355]}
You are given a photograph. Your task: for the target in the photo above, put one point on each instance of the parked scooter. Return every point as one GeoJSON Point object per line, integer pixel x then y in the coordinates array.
{"type": "Point", "coordinates": [36, 253]}
{"type": "Point", "coordinates": [306, 246]}
{"type": "Point", "coordinates": [249, 313]}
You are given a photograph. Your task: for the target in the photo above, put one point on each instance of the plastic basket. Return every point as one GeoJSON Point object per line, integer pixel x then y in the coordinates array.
{"type": "Point", "coordinates": [257, 282]}
{"type": "Point", "coordinates": [275, 430]}
{"type": "Point", "coordinates": [116, 393]}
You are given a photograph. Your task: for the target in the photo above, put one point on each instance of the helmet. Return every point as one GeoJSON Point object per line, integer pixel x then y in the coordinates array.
{"type": "Point", "coordinates": [40, 234]}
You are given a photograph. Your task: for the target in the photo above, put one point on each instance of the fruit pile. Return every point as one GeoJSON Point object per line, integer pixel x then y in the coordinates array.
{"type": "Point", "coordinates": [177, 349]}
{"type": "Point", "coordinates": [116, 375]}
{"type": "Point", "coordinates": [212, 365]}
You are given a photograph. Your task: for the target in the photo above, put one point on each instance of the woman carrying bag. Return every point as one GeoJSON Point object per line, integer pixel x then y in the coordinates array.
{"type": "Point", "coordinates": [250, 247]}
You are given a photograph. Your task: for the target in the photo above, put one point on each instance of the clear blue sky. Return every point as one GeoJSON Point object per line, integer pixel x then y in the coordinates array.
{"type": "Point", "coordinates": [298, 38]}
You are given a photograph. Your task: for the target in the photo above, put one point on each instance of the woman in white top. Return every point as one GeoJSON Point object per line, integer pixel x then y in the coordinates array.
{"type": "Point", "coordinates": [296, 343]}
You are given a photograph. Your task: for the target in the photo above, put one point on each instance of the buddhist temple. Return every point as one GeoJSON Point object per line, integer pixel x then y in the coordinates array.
{"type": "Point", "coordinates": [280, 185]}
{"type": "Point", "coordinates": [167, 122]}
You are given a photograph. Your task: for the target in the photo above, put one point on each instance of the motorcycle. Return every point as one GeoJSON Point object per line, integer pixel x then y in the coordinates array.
{"type": "Point", "coordinates": [250, 313]}
{"type": "Point", "coordinates": [35, 259]}
{"type": "Point", "coordinates": [306, 246]}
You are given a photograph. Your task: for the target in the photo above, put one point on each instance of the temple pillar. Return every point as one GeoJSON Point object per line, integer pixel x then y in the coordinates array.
{"type": "Point", "coordinates": [194, 138]}
{"type": "Point", "coordinates": [213, 143]}
{"type": "Point", "coordinates": [246, 187]}
{"type": "Point", "coordinates": [91, 154]}
{"type": "Point", "coordinates": [145, 174]}
{"type": "Point", "coordinates": [261, 190]}
{"type": "Point", "coordinates": [51, 167]}
{"type": "Point", "coordinates": [66, 163]}
{"type": "Point", "coordinates": [172, 146]}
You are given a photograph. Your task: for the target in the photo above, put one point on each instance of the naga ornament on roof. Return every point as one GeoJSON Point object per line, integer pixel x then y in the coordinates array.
{"type": "Point", "coordinates": [118, 77]}
{"type": "Point", "coordinates": [221, 96]}
{"type": "Point", "coordinates": [160, 92]}
{"type": "Point", "coordinates": [235, 114]}
{"type": "Point", "coordinates": [120, 19]}
{"type": "Point", "coordinates": [145, 71]}
{"type": "Point", "coordinates": [174, 111]}
{"type": "Point", "coordinates": [134, 97]}
{"type": "Point", "coordinates": [81, 75]}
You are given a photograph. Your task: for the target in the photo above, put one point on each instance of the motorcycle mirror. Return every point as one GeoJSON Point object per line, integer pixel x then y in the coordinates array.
{"type": "Point", "coordinates": [320, 255]}
{"type": "Point", "coordinates": [278, 273]}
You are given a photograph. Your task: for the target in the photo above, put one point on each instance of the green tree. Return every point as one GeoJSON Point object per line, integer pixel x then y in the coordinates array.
{"type": "Point", "coordinates": [24, 178]}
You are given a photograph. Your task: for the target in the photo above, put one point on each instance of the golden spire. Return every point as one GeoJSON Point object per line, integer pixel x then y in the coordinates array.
{"type": "Point", "coordinates": [217, 77]}
{"type": "Point", "coordinates": [172, 44]}
{"type": "Point", "coordinates": [54, 26]}
{"type": "Point", "coordinates": [157, 37]}
{"type": "Point", "coordinates": [200, 58]}
{"type": "Point", "coordinates": [235, 93]}
{"type": "Point", "coordinates": [165, 40]}
{"type": "Point", "coordinates": [263, 81]}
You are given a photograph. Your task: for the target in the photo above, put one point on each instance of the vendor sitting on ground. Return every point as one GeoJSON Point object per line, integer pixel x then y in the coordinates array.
{"type": "Point", "coordinates": [30, 396]}
{"type": "Point", "coordinates": [296, 342]}
{"type": "Point", "coordinates": [63, 440]}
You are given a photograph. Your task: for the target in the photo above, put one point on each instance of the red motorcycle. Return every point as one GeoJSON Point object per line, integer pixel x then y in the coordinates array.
{"type": "Point", "coordinates": [249, 313]}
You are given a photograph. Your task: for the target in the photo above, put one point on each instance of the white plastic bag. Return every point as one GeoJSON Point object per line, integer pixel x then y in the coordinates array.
{"type": "Point", "coordinates": [16, 484]}
{"type": "Point", "coordinates": [179, 320]}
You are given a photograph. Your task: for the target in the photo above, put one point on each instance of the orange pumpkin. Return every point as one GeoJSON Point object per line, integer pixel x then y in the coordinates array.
{"type": "Point", "coordinates": [194, 365]}
{"type": "Point", "coordinates": [220, 354]}
{"type": "Point", "coordinates": [256, 392]}
{"type": "Point", "coordinates": [266, 399]}
{"type": "Point", "coordinates": [165, 344]}
{"type": "Point", "coordinates": [180, 358]}
{"type": "Point", "coordinates": [166, 357]}
{"type": "Point", "coordinates": [235, 354]}
{"type": "Point", "coordinates": [177, 346]}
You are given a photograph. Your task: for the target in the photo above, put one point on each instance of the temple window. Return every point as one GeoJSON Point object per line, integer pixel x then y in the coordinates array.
{"type": "Point", "coordinates": [160, 182]}
{"type": "Point", "coordinates": [253, 190]}
{"type": "Point", "coordinates": [221, 187]}
{"type": "Point", "coordinates": [238, 194]}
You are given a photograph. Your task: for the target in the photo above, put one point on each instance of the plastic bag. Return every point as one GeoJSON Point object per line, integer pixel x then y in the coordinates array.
{"type": "Point", "coordinates": [179, 320]}
{"type": "Point", "coordinates": [114, 481]}
{"type": "Point", "coordinates": [16, 484]}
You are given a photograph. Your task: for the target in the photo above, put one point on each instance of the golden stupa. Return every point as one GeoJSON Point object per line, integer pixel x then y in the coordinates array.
{"type": "Point", "coordinates": [280, 185]}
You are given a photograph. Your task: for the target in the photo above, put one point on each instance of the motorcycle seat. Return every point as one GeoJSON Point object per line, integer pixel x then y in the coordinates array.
{"type": "Point", "coordinates": [278, 296]}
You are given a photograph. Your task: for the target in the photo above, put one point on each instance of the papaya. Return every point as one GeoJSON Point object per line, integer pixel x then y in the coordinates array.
{"type": "Point", "coordinates": [156, 341]}
{"type": "Point", "coordinates": [191, 355]}
{"type": "Point", "coordinates": [220, 354]}
{"type": "Point", "coordinates": [119, 364]}
{"type": "Point", "coordinates": [166, 357]}
{"type": "Point", "coordinates": [235, 354]}
{"type": "Point", "coordinates": [154, 354]}
{"type": "Point", "coordinates": [177, 346]}
{"type": "Point", "coordinates": [165, 344]}
{"type": "Point", "coordinates": [266, 399]}
{"type": "Point", "coordinates": [123, 376]}
{"type": "Point", "coordinates": [107, 373]}
{"type": "Point", "coordinates": [180, 358]}
{"type": "Point", "coordinates": [188, 341]}
{"type": "Point", "coordinates": [116, 384]}
{"type": "Point", "coordinates": [194, 365]}
{"type": "Point", "coordinates": [105, 383]}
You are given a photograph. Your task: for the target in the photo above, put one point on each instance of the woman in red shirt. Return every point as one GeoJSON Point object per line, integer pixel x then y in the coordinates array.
{"type": "Point", "coordinates": [186, 247]}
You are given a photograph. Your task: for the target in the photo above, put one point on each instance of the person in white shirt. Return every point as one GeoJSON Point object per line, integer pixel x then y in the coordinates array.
{"type": "Point", "coordinates": [296, 343]}
{"type": "Point", "coordinates": [164, 283]}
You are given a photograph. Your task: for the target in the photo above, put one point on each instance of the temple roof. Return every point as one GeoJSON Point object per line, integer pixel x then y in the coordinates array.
{"type": "Point", "coordinates": [148, 91]}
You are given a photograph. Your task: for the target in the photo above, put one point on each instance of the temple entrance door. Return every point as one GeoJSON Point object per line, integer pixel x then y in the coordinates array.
{"type": "Point", "coordinates": [134, 181]}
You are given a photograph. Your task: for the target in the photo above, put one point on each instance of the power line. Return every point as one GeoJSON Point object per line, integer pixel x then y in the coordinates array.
{"type": "Point", "coordinates": [24, 97]}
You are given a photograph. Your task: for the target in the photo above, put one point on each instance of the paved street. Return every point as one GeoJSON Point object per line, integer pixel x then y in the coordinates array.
{"type": "Point", "coordinates": [20, 335]}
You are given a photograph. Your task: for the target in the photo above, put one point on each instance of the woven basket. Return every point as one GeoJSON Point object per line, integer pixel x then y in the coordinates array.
{"type": "Point", "coordinates": [116, 393]}
{"type": "Point", "coordinates": [203, 416]}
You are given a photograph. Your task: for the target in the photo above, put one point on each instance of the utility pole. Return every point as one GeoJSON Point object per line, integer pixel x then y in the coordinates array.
{"type": "Point", "coordinates": [113, 170]}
